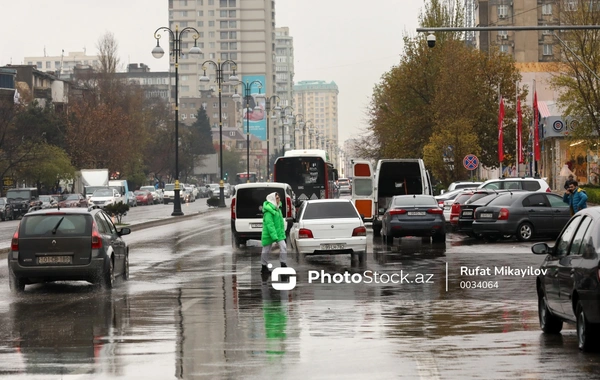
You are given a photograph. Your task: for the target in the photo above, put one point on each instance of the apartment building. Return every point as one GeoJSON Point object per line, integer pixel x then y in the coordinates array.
{"type": "Point", "coordinates": [524, 46]}
{"type": "Point", "coordinates": [236, 30]}
{"type": "Point", "coordinates": [317, 100]}
{"type": "Point", "coordinates": [284, 66]}
{"type": "Point", "coordinates": [63, 65]}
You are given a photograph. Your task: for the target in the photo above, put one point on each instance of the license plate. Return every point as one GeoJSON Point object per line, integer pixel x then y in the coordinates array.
{"type": "Point", "coordinates": [467, 213]}
{"type": "Point", "coordinates": [54, 260]}
{"type": "Point", "coordinates": [416, 213]}
{"type": "Point", "coordinates": [486, 215]}
{"type": "Point", "coordinates": [256, 225]}
{"type": "Point", "coordinates": [329, 247]}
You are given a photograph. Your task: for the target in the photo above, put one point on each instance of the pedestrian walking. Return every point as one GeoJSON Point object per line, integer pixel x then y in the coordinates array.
{"type": "Point", "coordinates": [571, 178]}
{"type": "Point", "coordinates": [273, 231]}
{"type": "Point", "coordinates": [575, 197]}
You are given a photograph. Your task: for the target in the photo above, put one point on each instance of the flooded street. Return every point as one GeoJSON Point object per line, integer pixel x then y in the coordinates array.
{"type": "Point", "coordinates": [195, 308]}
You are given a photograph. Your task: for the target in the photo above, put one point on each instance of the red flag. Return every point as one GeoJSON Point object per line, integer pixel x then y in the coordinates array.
{"type": "Point", "coordinates": [536, 131]}
{"type": "Point", "coordinates": [500, 134]}
{"type": "Point", "coordinates": [519, 132]}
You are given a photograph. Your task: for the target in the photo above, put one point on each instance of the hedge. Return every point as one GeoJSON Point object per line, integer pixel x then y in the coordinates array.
{"type": "Point", "coordinates": [593, 194]}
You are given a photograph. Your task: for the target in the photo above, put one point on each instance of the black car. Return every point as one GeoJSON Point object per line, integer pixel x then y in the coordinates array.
{"type": "Point", "coordinates": [467, 210]}
{"type": "Point", "coordinates": [524, 214]}
{"type": "Point", "coordinates": [22, 200]}
{"type": "Point", "coordinates": [569, 286]}
{"type": "Point", "coordinates": [6, 211]}
{"type": "Point", "coordinates": [413, 215]}
{"type": "Point", "coordinates": [73, 244]}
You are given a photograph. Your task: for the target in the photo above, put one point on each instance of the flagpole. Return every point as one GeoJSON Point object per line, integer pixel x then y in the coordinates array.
{"type": "Point", "coordinates": [517, 131]}
{"type": "Point", "coordinates": [499, 105]}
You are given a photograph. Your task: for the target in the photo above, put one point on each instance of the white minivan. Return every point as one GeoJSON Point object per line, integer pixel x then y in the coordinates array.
{"type": "Point", "coordinates": [246, 209]}
{"type": "Point", "coordinates": [372, 190]}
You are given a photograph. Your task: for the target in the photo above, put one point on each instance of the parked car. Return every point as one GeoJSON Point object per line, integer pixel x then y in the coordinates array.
{"type": "Point", "coordinates": [215, 189]}
{"type": "Point", "coordinates": [131, 199]}
{"type": "Point", "coordinates": [329, 226]}
{"type": "Point", "coordinates": [169, 193]}
{"type": "Point", "coordinates": [569, 289]}
{"type": "Point", "coordinates": [246, 209]}
{"type": "Point", "coordinates": [104, 197]}
{"type": "Point", "coordinates": [524, 214]}
{"type": "Point", "coordinates": [48, 201]}
{"type": "Point", "coordinates": [413, 215]}
{"type": "Point", "coordinates": [73, 200]}
{"type": "Point", "coordinates": [152, 190]}
{"type": "Point", "coordinates": [481, 197]}
{"type": "Point", "coordinates": [447, 199]}
{"type": "Point", "coordinates": [204, 191]}
{"type": "Point", "coordinates": [6, 211]}
{"type": "Point", "coordinates": [143, 197]}
{"type": "Point", "coordinates": [524, 183]}
{"type": "Point", "coordinates": [461, 185]}
{"type": "Point", "coordinates": [455, 208]}
{"type": "Point", "coordinates": [68, 245]}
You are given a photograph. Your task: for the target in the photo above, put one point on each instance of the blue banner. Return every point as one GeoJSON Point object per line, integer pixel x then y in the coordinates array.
{"type": "Point", "coordinates": [256, 118]}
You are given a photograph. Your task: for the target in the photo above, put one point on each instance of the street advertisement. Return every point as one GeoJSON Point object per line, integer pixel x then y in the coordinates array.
{"type": "Point", "coordinates": [254, 117]}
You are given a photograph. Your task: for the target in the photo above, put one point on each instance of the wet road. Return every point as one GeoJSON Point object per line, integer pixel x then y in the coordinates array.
{"type": "Point", "coordinates": [197, 309]}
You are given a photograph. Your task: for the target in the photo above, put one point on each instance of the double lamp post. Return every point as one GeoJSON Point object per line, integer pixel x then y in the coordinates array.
{"type": "Point", "coordinates": [247, 95]}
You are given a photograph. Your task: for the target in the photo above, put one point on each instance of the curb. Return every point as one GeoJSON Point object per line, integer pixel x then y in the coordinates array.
{"type": "Point", "coordinates": [141, 226]}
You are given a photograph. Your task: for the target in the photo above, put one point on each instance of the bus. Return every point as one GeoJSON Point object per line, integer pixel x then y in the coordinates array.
{"type": "Point", "coordinates": [243, 177]}
{"type": "Point", "coordinates": [308, 172]}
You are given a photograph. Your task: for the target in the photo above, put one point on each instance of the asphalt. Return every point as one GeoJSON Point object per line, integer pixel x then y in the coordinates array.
{"type": "Point", "coordinates": [137, 225]}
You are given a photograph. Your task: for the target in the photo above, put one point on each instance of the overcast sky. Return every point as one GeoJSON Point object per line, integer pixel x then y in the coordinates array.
{"type": "Point", "coordinates": [343, 41]}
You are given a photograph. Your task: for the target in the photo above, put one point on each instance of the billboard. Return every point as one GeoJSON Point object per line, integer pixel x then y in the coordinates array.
{"type": "Point", "coordinates": [256, 118]}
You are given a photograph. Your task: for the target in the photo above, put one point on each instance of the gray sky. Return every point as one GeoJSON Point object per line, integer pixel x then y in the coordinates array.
{"type": "Point", "coordinates": [343, 41]}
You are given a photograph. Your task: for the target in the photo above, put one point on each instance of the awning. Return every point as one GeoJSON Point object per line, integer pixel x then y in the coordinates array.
{"type": "Point", "coordinates": [543, 108]}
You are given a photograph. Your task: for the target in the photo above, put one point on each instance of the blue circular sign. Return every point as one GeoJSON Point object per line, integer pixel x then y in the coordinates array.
{"type": "Point", "coordinates": [471, 162]}
{"type": "Point", "coordinates": [558, 125]}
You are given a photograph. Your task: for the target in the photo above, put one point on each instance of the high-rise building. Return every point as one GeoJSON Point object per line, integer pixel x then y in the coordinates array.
{"type": "Point", "coordinates": [523, 45]}
{"type": "Point", "coordinates": [284, 66]}
{"type": "Point", "coordinates": [241, 31]}
{"type": "Point", "coordinates": [317, 100]}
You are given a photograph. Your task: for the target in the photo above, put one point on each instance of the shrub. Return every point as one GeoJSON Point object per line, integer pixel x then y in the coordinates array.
{"type": "Point", "coordinates": [593, 194]}
{"type": "Point", "coordinates": [212, 202]}
{"type": "Point", "coordinates": [118, 210]}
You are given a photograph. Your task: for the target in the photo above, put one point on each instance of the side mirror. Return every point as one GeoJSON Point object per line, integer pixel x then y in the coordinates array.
{"type": "Point", "coordinates": [381, 211]}
{"type": "Point", "coordinates": [124, 231]}
{"type": "Point", "coordinates": [442, 191]}
{"type": "Point", "coordinates": [540, 249]}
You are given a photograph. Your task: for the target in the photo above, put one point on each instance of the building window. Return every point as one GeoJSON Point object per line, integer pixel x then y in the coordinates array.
{"type": "Point", "coordinates": [211, 13]}
{"type": "Point", "coordinates": [504, 48]}
{"type": "Point", "coordinates": [56, 64]}
{"type": "Point", "coordinates": [233, 56]}
{"type": "Point", "coordinates": [232, 24]}
{"type": "Point", "coordinates": [183, 13]}
{"type": "Point", "coordinates": [547, 49]}
{"type": "Point", "coordinates": [200, 24]}
{"type": "Point", "coordinates": [222, 13]}
{"type": "Point", "coordinates": [232, 14]}
{"type": "Point", "coordinates": [224, 35]}
{"type": "Point", "coordinates": [200, 2]}
{"type": "Point", "coordinates": [211, 24]}
{"type": "Point", "coordinates": [571, 5]}
{"type": "Point", "coordinates": [211, 35]}
{"type": "Point", "coordinates": [232, 4]}
{"type": "Point", "coordinates": [233, 46]}
{"type": "Point", "coordinates": [48, 64]}
{"type": "Point", "coordinates": [211, 56]}
{"type": "Point", "coordinates": [224, 56]}
{"type": "Point", "coordinates": [223, 25]}
{"type": "Point", "coordinates": [546, 9]}
{"type": "Point", "coordinates": [211, 2]}
{"type": "Point", "coordinates": [183, 24]}
{"type": "Point", "coordinates": [224, 45]}
{"type": "Point", "coordinates": [211, 45]}
{"type": "Point", "coordinates": [232, 35]}
{"type": "Point", "coordinates": [502, 11]}
{"type": "Point", "coordinates": [185, 88]}
{"type": "Point", "coordinates": [503, 34]}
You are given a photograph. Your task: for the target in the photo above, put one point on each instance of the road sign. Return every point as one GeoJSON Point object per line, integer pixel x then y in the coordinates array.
{"type": "Point", "coordinates": [471, 162]}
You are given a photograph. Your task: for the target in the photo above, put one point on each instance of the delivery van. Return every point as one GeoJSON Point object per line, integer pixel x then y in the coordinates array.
{"type": "Point", "coordinates": [373, 189]}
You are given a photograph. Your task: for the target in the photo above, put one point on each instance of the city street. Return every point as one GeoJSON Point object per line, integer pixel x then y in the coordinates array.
{"type": "Point", "coordinates": [196, 308]}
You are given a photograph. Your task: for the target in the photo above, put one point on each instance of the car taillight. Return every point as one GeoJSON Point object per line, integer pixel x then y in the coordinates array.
{"type": "Point", "coordinates": [359, 231]}
{"type": "Point", "coordinates": [96, 238]}
{"type": "Point", "coordinates": [233, 208]}
{"type": "Point", "coordinates": [548, 190]}
{"type": "Point", "coordinates": [441, 203]}
{"type": "Point", "coordinates": [455, 208]}
{"type": "Point", "coordinates": [435, 211]}
{"type": "Point", "coordinates": [288, 205]}
{"type": "Point", "coordinates": [305, 234]}
{"type": "Point", "coordinates": [14, 243]}
{"type": "Point", "coordinates": [397, 212]}
{"type": "Point", "coordinates": [503, 214]}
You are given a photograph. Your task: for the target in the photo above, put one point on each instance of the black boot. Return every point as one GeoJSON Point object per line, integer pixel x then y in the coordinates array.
{"type": "Point", "coordinates": [283, 265]}
{"type": "Point", "coordinates": [284, 277]}
{"type": "Point", "coordinates": [264, 269]}
{"type": "Point", "coordinates": [265, 273]}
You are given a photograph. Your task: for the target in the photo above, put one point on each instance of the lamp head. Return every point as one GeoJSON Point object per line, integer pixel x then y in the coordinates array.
{"type": "Point", "coordinates": [158, 52]}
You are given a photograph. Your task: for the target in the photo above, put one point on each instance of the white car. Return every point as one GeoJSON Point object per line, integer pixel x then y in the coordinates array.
{"type": "Point", "coordinates": [329, 226]}
{"type": "Point", "coordinates": [522, 183]}
{"type": "Point", "coordinates": [104, 197]}
{"type": "Point", "coordinates": [169, 193]}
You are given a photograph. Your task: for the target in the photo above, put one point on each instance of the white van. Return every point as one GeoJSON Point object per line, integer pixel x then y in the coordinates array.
{"type": "Point", "coordinates": [246, 209]}
{"type": "Point", "coordinates": [372, 190]}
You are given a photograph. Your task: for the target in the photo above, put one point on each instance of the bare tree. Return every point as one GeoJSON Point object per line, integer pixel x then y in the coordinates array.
{"type": "Point", "coordinates": [107, 53]}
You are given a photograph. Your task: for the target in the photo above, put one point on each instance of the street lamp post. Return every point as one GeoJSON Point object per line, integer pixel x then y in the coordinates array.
{"type": "Point", "coordinates": [219, 66]}
{"type": "Point", "coordinates": [304, 128]}
{"type": "Point", "coordinates": [283, 127]}
{"type": "Point", "coordinates": [268, 110]}
{"type": "Point", "coordinates": [297, 126]}
{"type": "Point", "coordinates": [158, 52]}
{"type": "Point", "coordinates": [247, 93]}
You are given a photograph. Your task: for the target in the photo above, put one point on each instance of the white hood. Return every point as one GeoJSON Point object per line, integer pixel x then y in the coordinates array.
{"type": "Point", "coordinates": [271, 198]}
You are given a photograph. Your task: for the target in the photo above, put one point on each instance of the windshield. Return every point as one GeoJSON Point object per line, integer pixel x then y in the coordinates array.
{"type": "Point", "coordinates": [148, 188]}
{"type": "Point", "coordinates": [414, 201]}
{"type": "Point", "coordinates": [330, 210]}
{"type": "Point", "coordinates": [170, 187]}
{"type": "Point", "coordinates": [46, 198]}
{"type": "Point", "coordinates": [14, 194]}
{"type": "Point", "coordinates": [72, 197]}
{"type": "Point", "coordinates": [300, 171]}
{"type": "Point", "coordinates": [103, 193]}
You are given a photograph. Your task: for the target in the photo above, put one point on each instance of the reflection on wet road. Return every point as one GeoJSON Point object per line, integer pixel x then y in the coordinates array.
{"type": "Point", "coordinates": [194, 308]}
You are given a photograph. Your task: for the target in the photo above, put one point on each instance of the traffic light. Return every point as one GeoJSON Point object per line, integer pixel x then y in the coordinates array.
{"type": "Point", "coordinates": [226, 175]}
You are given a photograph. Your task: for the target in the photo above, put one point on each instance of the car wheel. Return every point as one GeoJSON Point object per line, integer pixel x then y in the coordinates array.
{"type": "Point", "coordinates": [549, 323]}
{"type": "Point", "coordinates": [108, 280]}
{"type": "Point", "coordinates": [586, 331]}
{"type": "Point", "coordinates": [525, 231]}
{"type": "Point", "coordinates": [388, 240]}
{"type": "Point", "coordinates": [126, 269]}
{"type": "Point", "coordinates": [16, 285]}
{"type": "Point", "coordinates": [439, 238]}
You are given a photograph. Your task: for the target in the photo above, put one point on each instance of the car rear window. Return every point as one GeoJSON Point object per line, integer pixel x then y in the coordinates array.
{"type": "Point", "coordinates": [415, 201]}
{"type": "Point", "coordinates": [461, 199]}
{"type": "Point", "coordinates": [475, 197]}
{"type": "Point", "coordinates": [503, 200]}
{"type": "Point", "coordinates": [66, 225]}
{"type": "Point", "coordinates": [248, 202]}
{"type": "Point", "coordinates": [330, 210]}
{"type": "Point", "coordinates": [531, 185]}
{"type": "Point", "coordinates": [483, 200]}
